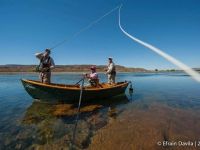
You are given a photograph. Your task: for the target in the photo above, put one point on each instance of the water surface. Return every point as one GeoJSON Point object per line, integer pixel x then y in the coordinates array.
{"type": "Point", "coordinates": [164, 106]}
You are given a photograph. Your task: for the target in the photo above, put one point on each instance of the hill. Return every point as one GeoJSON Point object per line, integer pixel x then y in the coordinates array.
{"type": "Point", "coordinates": [66, 68]}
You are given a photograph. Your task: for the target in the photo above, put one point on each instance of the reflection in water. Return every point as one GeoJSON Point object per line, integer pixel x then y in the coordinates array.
{"type": "Point", "coordinates": [53, 124]}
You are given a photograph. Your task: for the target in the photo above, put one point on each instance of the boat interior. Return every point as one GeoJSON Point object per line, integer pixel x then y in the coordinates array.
{"type": "Point", "coordinates": [100, 85]}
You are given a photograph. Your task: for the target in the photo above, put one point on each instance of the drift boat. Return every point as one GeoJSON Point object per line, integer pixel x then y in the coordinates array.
{"type": "Point", "coordinates": [71, 93]}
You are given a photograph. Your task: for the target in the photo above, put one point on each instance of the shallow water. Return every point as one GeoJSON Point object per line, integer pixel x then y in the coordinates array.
{"type": "Point", "coordinates": [164, 106]}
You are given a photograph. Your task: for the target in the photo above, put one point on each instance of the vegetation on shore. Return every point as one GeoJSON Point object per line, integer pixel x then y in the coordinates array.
{"type": "Point", "coordinates": [79, 68]}
{"type": "Point", "coordinates": [66, 68]}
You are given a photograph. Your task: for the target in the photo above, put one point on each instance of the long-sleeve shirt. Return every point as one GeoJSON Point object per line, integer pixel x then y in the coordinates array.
{"type": "Point", "coordinates": [111, 68]}
{"type": "Point", "coordinates": [93, 75]}
{"type": "Point", "coordinates": [51, 61]}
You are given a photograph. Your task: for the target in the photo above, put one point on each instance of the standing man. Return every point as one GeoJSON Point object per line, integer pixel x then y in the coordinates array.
{"type": "Point", "coordinates": [45, 66]}
{"type": "Point", "coordinates": [111, 71]}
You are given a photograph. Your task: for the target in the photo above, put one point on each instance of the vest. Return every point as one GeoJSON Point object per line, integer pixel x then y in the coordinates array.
{"type": "Point", "coordinates": [44, 64]}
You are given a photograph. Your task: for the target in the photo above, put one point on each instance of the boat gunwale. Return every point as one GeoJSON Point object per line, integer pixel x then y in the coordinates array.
{"type": "Point", "coordinates": [64, 86]}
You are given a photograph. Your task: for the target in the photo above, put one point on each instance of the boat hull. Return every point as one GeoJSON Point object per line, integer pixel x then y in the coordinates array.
{"type": "Point", "coordinates": [71, 93]}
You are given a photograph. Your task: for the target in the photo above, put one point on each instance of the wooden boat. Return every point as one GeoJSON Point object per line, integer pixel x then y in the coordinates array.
{"type": "Point", "coordinates": [71, 93]}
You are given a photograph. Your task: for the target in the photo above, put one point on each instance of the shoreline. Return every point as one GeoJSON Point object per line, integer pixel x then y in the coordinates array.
{"type": "Point", "coordinates": [1, 73]}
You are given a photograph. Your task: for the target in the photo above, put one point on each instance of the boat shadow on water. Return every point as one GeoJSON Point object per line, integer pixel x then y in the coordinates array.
{"type": "Point", "coordinates": [54, 123]}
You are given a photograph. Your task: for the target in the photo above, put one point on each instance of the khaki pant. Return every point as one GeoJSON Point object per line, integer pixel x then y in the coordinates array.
{"type": "Point", "coordinates": [111, 78]}
{"type": "Point", "coordinates": [45, 77]}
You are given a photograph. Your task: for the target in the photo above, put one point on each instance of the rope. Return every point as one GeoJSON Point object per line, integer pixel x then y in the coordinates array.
{"type": "Point", "coordinates": [85, 28]}
{"type": "Point", "coordinates": [77, 116]}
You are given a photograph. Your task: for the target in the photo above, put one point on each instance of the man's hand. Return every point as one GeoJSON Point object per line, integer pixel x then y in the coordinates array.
{"type": "Point", "coordinates": [84, 75]}
{"type": "Point", "coordinates": [87, 75]}
{"type": "Point", "coordinates": [45, 69]}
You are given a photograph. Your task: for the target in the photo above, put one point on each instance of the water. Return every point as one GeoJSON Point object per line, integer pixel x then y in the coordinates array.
{"type": "Point", "coordinates": [163, 106]}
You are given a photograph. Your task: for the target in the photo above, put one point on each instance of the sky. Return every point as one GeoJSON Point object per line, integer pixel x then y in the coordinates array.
{"type": "Point", "coordinates": [30, 26]}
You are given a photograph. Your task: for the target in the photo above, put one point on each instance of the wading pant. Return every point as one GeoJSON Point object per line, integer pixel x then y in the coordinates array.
{"type": "Point", "coordinates": [111, 78]}
{"type": "Point", "coordinates": [45, 77]}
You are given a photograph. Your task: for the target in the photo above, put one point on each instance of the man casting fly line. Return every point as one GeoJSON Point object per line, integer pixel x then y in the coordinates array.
{"type": "Point", "coordinates": [45, 66]}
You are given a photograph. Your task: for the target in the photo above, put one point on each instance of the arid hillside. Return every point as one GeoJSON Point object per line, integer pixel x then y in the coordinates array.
{"type": "Point", "coordinates": [66, 68]}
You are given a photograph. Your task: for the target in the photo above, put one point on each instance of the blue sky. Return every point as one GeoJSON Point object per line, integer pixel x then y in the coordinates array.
{"type": "Point", "coordinates": [29, 26]}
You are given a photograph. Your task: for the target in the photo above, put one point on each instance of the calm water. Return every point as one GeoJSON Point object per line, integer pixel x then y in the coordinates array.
{"type": "Point", "coordinates": [29, 124]}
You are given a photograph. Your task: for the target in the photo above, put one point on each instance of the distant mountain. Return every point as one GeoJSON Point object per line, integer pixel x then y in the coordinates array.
{"type": "Point", "coordinates": [66, 68]}
{"type": "Point", "coordinates": [12, 65]}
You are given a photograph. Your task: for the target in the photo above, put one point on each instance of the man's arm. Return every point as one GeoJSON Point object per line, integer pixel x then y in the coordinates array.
{"type": "Point", "coordinates": [52, 64]}
{"type": "Point", "coordinates": [39, 55]}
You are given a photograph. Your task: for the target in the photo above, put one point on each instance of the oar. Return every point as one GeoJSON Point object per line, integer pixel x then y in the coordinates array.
{"type": "Point", "coordinates": [77, 115]}
{"type": "Point", "coordinates": [79, 81]}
